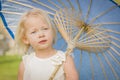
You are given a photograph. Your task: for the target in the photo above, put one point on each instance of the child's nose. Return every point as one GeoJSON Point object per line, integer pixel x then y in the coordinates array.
{"type": "Point", "coordinates": [41, 34]}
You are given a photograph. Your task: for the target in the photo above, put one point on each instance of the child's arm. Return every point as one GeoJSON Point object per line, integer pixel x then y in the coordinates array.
{"type": "Point", "coordinates": [70, 70]}
{"type": "Point", "coordinates": [21, 71]}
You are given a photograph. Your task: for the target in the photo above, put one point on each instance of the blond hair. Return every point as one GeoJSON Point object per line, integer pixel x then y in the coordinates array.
{"type": "Point", "coordinates": [20, 34]}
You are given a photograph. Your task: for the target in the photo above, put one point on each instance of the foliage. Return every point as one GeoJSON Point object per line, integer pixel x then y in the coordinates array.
{"type": "Point", "coordinates": [9, 67]}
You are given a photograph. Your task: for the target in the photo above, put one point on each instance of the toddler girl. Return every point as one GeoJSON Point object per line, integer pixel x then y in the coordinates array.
{"type": "Point", "coordinates": [35, 29]}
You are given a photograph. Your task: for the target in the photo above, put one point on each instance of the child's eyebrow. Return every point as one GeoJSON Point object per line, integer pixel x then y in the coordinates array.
{"type": "Point", "coordinates": [33, 28]}
{"type": "Point", "coordinates": [44, 26]}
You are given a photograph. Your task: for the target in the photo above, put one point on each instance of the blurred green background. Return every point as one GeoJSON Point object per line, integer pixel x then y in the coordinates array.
{"type": "Point", "coordinates": [9, 59]}
{"type": "Point", "coordinates": [9, 67]}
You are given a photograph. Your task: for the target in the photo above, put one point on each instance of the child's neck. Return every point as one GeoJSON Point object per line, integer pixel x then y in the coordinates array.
{"type": "Point", "coordinates": [45, 53]}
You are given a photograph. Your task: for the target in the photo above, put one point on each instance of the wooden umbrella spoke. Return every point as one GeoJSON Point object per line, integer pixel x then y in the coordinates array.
{"type": "Point", "coordinates": [69, 30]}
{"type": "Point", "coordinates": [108, 23]}
{"type": "Point", "coordinates": [104, 37]}
{"type": "Point", "coordinates": [44, 5]}
{"type": "Point", "coordinates": [115, 51]}
{"type": "Point", "coordinates": [97, 39]}
{"type": "Point", "coordinates": [108, 30]}
{"type": "Point", "coordinates": [10, 12]}
{"type": "Point", "coordinates": [91, 48]}
{"type": "Point", "coordinates": [78, 35]}
{"type": "Point", "coordinates": [62, 3]}
{"type": "Point", "coordinates": [113, 57]}
{"type": "Point", "coordinates": [11, 7]}
{"type": "Point", "coordinates": [66, 18]}
{"type": "Point", "coordinates": [115, 38]}
{"type": "Point", "coordinates": [26, 5]}
{"type": "Point", "coordinates": [92, 67]}
{"type": "Point", "coordinates": [59, 25]}
{"type": "Point", "coordinates": [80, 62]}
{"type": "Point", "coordinates": [96, 43]}
{"type": "Point", "coordinates": [103, 13]}
{"type": "Point", "coordinates": [88, 11]}
{"type": "Point", "coordinates": [54, 4]}
{"type": "Point", "coordinates": [89, 37]}
{"type": "Point", "coordinates": [115, 44]}
{"type": "Point", "coordinates": [80, 10]}
{"type": "Point", "coordinates": [23, 4]}
{"type": "Point", "coordinates": [71, 4]}
{"type": "Point", "coordinates": [92, 30]}
{"type": "Point", "coordinates": [102, 66]}
{"type": "Point", "coordinates": [115, 74]}
{"type": "Point", "coordinates": [63, 23]}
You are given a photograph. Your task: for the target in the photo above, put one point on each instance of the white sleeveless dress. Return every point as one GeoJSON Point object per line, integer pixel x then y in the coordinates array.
{"type": "Point", "coordinates": [41, 69]}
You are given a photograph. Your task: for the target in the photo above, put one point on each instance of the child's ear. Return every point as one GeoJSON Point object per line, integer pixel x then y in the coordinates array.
{"type": "Point", "coordinates": [25, 40]}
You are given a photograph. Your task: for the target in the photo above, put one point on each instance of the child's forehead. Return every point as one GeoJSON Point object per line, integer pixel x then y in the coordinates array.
{"type": "Point", "coordinates": [36, 21]}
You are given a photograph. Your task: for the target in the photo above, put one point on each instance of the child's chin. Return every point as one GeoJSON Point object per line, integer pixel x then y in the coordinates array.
{"type": "Point", "coordinates": [43, 46]}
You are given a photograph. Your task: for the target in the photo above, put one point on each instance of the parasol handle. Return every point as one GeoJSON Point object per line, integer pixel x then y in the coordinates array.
{"type": "Point", "coordinates": [71, 46]}
{"type": "Point", "coordinates": [58, 66]}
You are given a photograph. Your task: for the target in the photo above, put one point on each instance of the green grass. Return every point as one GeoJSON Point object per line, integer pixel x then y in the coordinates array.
{"type": "Point", "coordinates": [9, 67]}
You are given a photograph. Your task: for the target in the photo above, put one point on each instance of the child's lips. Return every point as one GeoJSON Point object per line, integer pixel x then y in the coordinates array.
{"type": "Point", "coordinates": [43, 41]}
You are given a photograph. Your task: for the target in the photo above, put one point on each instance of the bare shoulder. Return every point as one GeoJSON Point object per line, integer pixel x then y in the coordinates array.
{"type": "Point", "coordinates": [70, 69]}
{"type": "Point", "coordinates": [21, 71]}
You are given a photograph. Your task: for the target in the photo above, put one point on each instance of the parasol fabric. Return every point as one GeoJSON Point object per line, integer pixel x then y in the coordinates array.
{"type": "Point", "coordinates": [92, 27]}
